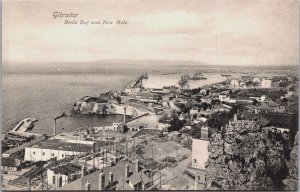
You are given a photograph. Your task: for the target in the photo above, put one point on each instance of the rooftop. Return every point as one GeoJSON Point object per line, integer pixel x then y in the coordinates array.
{"type": "Point", "coordinates": [9, 162]}
{"type": "Point", "coordinates": [57, 144]}
{"type": "Point", "coordinates": [147, 131]}
{"type": "Point", "coordinates": [118, 171]}
{"type": "Point", "coordinates": [66, 169]}
{"type": "Point", "coordinates": [23, 146]}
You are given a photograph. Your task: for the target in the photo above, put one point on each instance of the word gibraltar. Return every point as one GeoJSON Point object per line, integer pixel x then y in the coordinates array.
{"type": "Point", "coordinates": [60, 14]}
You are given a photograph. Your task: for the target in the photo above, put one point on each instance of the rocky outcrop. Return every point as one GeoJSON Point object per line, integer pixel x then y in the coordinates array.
{"type": "Point", "coordinates": [244, 156]}
{"type": "Point", "coordinates": [291, 183]}
{"type": "Point", "coordinates": [98, 105]}
{"type": "Point", "coordinates": [84, 107]}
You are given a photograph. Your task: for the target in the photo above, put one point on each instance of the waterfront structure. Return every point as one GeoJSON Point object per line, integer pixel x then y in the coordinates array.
{"type": "Point", "coordinates": [160, 91]}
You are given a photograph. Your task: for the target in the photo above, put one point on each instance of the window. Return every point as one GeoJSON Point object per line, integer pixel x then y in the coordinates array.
{"type": "Point", "coordinates": [195, 161]}
{"type": "Point", "coordinates": [60, 181]}
{"type": "Point", "coordinates": [53, 179]}
{"type": "Point", "coordinates": [52, 154]}
{"type": "Point", "coordinates": [88, 186]}
{"type": "Point", "coordinates": [43, 153]}
{"type": "Point", "coordinates": [62, 155]}
{"type": "Point", "coordinates": [34, 153]}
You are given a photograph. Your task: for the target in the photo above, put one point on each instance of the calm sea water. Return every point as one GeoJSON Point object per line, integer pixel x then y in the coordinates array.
{"type": "Point", "coordinates": [46, 96]}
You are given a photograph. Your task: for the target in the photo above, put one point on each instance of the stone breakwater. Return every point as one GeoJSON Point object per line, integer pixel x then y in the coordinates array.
{"type": "Point", "coordinates": [245, 156]}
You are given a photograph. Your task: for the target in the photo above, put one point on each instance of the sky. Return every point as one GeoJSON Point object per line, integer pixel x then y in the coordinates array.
{"type": "Point", "coordinates": [217, 32]}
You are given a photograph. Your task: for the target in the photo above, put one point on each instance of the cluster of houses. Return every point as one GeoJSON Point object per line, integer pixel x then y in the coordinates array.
{"type": "Point", "coordinates": [116, 173]}
{"type": "Point", "coordinates": [247, 81]}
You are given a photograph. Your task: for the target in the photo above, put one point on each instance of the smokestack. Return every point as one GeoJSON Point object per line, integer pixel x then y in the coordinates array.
{"type": "Point", "coordinates": [101, 181]}
{"type": "Point", "coordinates": [58, 117]}
{"type": "Point", "coordinates": [111, 178]}
{"type": "Point", "coordinates": [126, 170]}
{"type": "Point", "coordinates": [124, 117]}
{"type": "Point", "coordinates": [54, 128]}
{"type": "Point", "coordinates": [137, 166]}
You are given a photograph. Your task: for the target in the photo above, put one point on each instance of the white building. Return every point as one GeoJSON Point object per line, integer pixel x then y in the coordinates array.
{"type": "Point", "coordinates": [266, 83]}
{"type": "Point", "coordinates": [113, 127]}
{"type": "Point", "coordinates": [193, 112]}
{"type": "Point", "coordinates": [234, 83]}
{"type": "Point", "coordinates": [223, 97]}
{"type": "Point", "coordinates": [46, 150]}
{"type": "Point", "coordinates": [63, 174]}
{"type": "Point", "coordinates": [199, 153]}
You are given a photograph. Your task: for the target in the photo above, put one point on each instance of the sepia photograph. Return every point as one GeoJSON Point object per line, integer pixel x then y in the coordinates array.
{"type": "Point", "coordinates": [195, 95]}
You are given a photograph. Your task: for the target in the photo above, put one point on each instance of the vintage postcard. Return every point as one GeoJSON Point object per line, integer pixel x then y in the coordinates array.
{"type": "Point", "coordinates": [150, 95]}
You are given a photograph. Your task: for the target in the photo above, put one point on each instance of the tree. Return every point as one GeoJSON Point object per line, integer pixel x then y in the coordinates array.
{"type": "Point", "coordinates": [195, 132]}
{"type": "Point", "coordinates": [254, 102]}
{"type": "Point", "coordinates": [176, 125]}
{"type": "Point", "coordinates": [205, 106]}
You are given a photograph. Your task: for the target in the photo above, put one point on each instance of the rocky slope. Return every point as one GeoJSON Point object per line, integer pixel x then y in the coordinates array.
{"type": "Point", "coordinates": [291, 183]}
{"type": "Point", "coordinates": [244, 156]}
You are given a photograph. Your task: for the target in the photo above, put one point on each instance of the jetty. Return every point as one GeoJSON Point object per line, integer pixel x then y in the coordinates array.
{"type": "Point", "coordinates": [137, 82]}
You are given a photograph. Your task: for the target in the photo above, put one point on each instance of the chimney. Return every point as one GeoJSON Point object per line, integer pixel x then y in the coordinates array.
{"type": "Point", "coordinates": [111, 178]}
{"type": "Point", "coordinates": [101, 181]}
{"type": "Point", "coordinates": [124, 117]}
{"type": "Point", "coordinates": [126, 170]}
{"type": "Point", "coordinates": [54, 128]}
{"type": "Point", "coordinates": [137, 166]}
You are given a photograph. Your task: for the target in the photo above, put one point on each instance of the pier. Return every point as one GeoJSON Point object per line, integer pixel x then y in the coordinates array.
{"type": "Point", "coordinates": [137, 82]}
